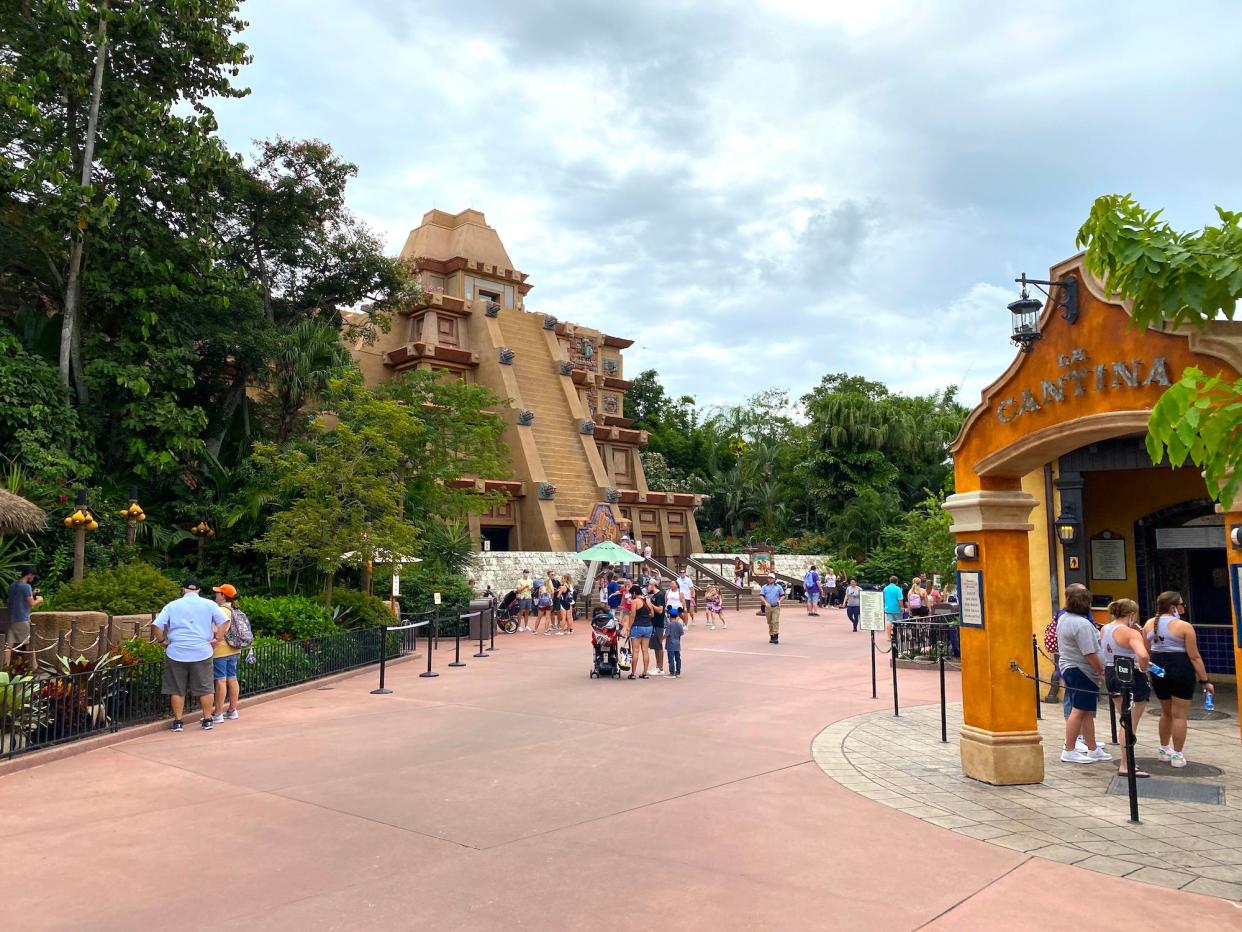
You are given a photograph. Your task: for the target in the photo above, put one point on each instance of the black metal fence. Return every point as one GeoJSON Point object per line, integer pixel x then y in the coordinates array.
{"type": "Point", "coordinates": [926, 639]}
{"type": "Point", "coordinates": [47, 709]}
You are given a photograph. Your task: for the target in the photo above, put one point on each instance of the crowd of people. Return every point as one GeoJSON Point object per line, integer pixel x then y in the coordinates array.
{"type": "Point", "coordinates": [1165, 654]}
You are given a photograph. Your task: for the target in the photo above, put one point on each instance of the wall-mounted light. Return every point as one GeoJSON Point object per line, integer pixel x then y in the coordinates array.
{"type": "Point", "coordinates": [1235, 536]}
{"type": "Point", "coordinates": [1068, 527]}
{"type": "Point", "coordinates": [969, 552]}
{"type": "Point", "coordinates": [1026, 309]}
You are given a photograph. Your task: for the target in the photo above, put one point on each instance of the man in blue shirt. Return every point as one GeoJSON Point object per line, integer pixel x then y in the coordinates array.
{"type": "Point", "coordinates": [771, 595]}
{"type": "Point", "coordinates": [21, 599]}
{"type": "Point", "coordinates": [189, 627]}
{"type": "Point", "coordinates": [892, 605]}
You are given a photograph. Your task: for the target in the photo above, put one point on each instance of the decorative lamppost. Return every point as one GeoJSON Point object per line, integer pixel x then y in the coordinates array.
{"type": "Point", "coordinates": [82, 520]}
{"type": "Point", "coordinates": [1026, 309]}
{"type": "Point", "coordinates": [132, 514]}
{"type": "Point", "coordinates": [1068, 527]}
{"type": "Point", "coordinates": [202, 531]}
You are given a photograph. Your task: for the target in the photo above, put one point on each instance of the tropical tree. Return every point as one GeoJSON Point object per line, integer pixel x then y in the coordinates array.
{"type": "Point", "coordinates": [1178, 278]}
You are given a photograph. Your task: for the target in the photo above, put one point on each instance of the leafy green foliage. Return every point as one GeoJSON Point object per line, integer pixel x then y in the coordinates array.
{"type": "Point", "coordinates": [137, 650]}
{"type": "Point", "coordinates": [280, 663]}
{"type": "Point", "coordinates": [1178, 278]}
{"type": "Point", "coordinates": [287, 617]}
{"type": "Point", "coordinates": [419, 584]}
{"type": "Point", "coordinates": [127, 589]}
{"type": "Point", "coordinates": [920, 541]}
{"type": "Point", "coordinates": [353, 609]}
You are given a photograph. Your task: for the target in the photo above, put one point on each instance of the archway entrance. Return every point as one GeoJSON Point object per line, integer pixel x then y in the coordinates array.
{"type": "Point", "coordinates": [1061, 432]}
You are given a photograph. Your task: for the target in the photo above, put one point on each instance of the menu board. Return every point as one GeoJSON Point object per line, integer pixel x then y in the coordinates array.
{"type": "Point", "coordinates": [871, 611]}
{"type": "Point", "coordinates": [1108, 558]}
{"type": "Point", "coordinates": [970, 597]}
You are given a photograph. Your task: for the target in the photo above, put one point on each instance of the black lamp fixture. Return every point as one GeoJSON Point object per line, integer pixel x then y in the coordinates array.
{"type": "Point", "coordinates": [1068, 527]}
{"type": "Point", "coordinates": [1026, 309]}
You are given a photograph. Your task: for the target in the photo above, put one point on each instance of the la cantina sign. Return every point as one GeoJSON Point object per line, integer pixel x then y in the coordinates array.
{"type": "Point", "coordinates": [1081, 377]}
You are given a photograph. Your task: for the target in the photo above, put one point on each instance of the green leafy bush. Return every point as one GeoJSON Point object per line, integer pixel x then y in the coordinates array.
{"type": "Point", "coordinates": [288, 617]}
{"type": "Point", "coordinates": [140, 650]}
{"type": "Point", "coordinates": [354, 609]}
{"type": "Point", "coordinates": [278, 663]}
{"type": "Point", "coordinates": [128, 589]}
{"type": "Point", "coordinates": [419, 585]}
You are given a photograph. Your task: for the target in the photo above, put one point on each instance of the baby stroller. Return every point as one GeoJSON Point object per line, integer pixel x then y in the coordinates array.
{"type": "Point", "coordinates": [604, 645]}
{"type": "Point", "coordinates": [505, 612]}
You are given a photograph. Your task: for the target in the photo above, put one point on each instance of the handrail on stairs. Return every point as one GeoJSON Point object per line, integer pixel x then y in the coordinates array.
{"type": "Point", "coordinates": [725, 585]}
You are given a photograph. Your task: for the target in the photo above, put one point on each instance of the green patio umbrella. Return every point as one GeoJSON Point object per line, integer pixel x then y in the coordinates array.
{"type": "Point", "coordinates": [609, 552]}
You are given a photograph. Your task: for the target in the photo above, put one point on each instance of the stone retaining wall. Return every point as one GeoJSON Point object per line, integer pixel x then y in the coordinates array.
{"type": "Point", "coordinates": [789, 564]}
{"type": "Point", "coordinates": [500, 569]}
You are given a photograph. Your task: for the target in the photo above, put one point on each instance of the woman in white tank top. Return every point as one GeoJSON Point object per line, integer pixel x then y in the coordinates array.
{"type": "Point", "coordinates": [1175, 647]}
{"type": "Point", "coordinates": [1122, 637]}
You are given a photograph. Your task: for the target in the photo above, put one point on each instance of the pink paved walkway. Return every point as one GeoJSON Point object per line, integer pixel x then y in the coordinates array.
{"type": "Point", "coordinates": [516, 793]}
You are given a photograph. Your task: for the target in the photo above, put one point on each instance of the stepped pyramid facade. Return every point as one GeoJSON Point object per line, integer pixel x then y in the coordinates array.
{"type": "Point", "coordinates": [577, 477]}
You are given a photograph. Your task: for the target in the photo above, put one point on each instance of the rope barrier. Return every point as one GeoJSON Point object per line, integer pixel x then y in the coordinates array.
{"type": "Point", "coordinates": [1017, 669]}
{"type": "Point", "coordinates": [417, 624]}
{"type": "Point", "coordinates": [37, 650]}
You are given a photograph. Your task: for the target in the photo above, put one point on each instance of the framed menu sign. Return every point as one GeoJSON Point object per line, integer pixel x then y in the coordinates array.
{"type": "Point", "coordinates": [1108, 556]}
{"type": "Point", "coordinates": [970, 597]}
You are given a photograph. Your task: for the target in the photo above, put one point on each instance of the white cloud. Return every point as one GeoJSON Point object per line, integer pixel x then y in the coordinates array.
{"type": "Point", "coordinates": [761, 194]}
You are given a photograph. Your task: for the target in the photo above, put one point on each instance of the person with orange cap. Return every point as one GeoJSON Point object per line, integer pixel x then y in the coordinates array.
{"type": "Point", "coordinates": [224, 659]}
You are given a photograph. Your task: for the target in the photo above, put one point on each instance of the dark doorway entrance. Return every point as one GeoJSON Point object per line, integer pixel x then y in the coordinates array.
{"type": "Point", "coordinates": [498, 537]}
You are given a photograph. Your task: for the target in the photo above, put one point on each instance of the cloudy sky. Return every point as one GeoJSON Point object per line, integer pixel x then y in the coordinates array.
{"type": "Point", "coordinates": [762, 192]}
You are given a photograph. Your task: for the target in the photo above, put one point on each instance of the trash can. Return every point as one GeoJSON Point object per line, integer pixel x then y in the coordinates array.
{"type": "Point", "coordinates": [485, 619]}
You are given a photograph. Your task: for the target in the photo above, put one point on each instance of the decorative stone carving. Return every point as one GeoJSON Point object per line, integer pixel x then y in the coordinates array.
{"type": "Point", "coordinates": [547, 491]}
{"type": "Point", "coordinates": [610, 366]}
{"type": "Point", "coordinates": [612, 494]}
{"type": "Point", "coordinates": [566, 367]}
{"type": "Point", "coordinates": [612, 404]}
{"type": "Point", "coordinates": [492, 309]}
{"type": "Point", "coordinates": [586, 426]}
{"type": "Point", "coordinates": [549, 322]}
{"type": "Point", "coordinates": [582, 351]}
{"type": "Point", "coordinates": [525, 417]}
{"type": "Point", "coordinates": [507, 356]}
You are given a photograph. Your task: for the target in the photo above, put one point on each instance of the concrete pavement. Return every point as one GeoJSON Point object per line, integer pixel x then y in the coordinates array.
{"type": "Point", "coordinates": [517, 793]}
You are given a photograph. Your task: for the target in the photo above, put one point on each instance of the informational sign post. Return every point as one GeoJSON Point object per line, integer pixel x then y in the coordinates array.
{"type": "Point", "coordinates": [435, 598]}
{"type": "Point", "coordinates": [396, 585]}
{"type": "Point", "coordinates": [871, 611]}
{"type": "Point", "coordinates": [970, 597]}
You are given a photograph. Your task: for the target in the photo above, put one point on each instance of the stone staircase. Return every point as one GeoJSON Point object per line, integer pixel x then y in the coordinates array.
{"type": "Point", "coordinates": [555, 428]}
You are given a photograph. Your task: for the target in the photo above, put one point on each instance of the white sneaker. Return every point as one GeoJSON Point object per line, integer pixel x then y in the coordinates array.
{"type": "Point", "coordinates": [1164, 754]}
{"type": "Point", "coordinates": [218, 718]}
{"type": "Point", "coordinates": [1076, 757]}
{"type": "Point", "coordinates": [560, 634]}
{"type": "Point", "coordinates": [232, 715]}
{"type": "Point", "coordinates": [1099, 753]}
{"type": "Point", "coordinates": [1177, 759]}
{"type": "Point", "coordinates": [1081, 746]}
{"type": "Point", "coordinates": [657, 672]}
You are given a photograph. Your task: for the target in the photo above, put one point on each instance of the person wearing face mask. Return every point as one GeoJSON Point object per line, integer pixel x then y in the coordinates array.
{"type": "Point", "coordinates": [1175, 647]}
{"type": "Point", "coordinates": [1122, 637]}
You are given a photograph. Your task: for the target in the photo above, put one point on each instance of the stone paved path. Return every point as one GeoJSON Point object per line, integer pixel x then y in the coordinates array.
{"type": "Point", "coordinates": [518, 794]}
{"type": "Point", "coordinates": [1070, 817]}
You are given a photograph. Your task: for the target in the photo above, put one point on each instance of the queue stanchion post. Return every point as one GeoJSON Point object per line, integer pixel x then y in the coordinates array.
{"type": "Point", "coordinates": [1112, 716]}
{"type": "Point", "coordinates": [1039, 710]}
{"type": "Point", "coordinates": [457, 661]}
{"type": "Point", "coordinates": [383, 690]}
{"type": "Point", "coordinates": [873, 683]}
{"type": "Point", "coordinates": [430, 634]}
{"type": "Point", "coordinates": [944, 715]}
{"type": "Point", "coordinates": [1124, 669]}
{"type": "Point", "coordinates": [482, 652]}
{"type": "Point", "coordinates": [893, 664]}
{"type": "Point", "coordinates": [491, 625]}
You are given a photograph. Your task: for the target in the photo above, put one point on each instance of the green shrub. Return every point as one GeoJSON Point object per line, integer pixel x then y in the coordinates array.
{"type": "Point", "coordinates": [288, 617]}
{"type": "Point", "coordinates": [419, 585]}
{"type": "Point", "coordinates": [354, 609]}
{"type": "Point", "coordinates": [278, 663]}
{"type": "Point", "coordinates": [128, 589]}
{"type": "Point", "coordinates": [140, 650]}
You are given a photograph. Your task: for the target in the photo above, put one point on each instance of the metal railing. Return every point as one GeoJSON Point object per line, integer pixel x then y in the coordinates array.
{"type": "Point", "coordinates": [46, 709]}
{"type": "Point", "coordinates": [927, 638]}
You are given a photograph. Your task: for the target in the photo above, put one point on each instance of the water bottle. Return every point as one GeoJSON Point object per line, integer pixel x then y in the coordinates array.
{"type": "Point", "coordinates": [1209, 703]}
{"type": "Point", "coordinates": [1155, 669]}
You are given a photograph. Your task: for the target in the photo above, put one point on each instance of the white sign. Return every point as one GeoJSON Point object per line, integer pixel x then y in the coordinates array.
{"type": "Point", "coordinates": [435, 598]}
{"type": "Point", "coordinates": [396, 585]}
{"type": "Point", "coordinates": [1108, 558]}
{"type": "Point", "coordinates": [970, 597]}
{"type": "Point", "coordinates": [871, 611]}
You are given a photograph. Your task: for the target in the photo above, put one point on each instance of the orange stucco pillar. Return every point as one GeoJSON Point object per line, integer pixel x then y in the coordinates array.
{"type": "Point", "coordinates": [1000, 742]}
{"type": "Point", "coordinates": [1233, 516]}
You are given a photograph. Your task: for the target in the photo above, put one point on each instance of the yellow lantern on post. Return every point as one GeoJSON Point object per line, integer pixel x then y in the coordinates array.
{"type": "Point", "coordinates": [202, 531]}
{"type": "Point", "coordinates": [82, 520]}
{"type": "Point", "coordinates": [132, 513]}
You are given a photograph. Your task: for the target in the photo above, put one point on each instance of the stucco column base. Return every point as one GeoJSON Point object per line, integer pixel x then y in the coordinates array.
{"type": "Point", "coordinates": [1009, 758]}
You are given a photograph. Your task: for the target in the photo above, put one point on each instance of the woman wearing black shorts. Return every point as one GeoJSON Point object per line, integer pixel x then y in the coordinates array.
{"type": "Point", "coordinates": [1122, 637]}
{"type": "Point", "coordinates": [1175, 647]}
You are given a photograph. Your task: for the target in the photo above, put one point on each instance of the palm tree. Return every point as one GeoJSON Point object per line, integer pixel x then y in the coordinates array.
{"type": "Point", "coordinates": [309, 355]}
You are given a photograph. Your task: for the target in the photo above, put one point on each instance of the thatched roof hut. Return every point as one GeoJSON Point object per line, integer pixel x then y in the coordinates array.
{"type": "Point", "coordinates": [18, 516]}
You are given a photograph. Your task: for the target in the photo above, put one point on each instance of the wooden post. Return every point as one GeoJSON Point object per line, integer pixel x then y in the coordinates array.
{"type": "Point", "coordinates": [79, 553]}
